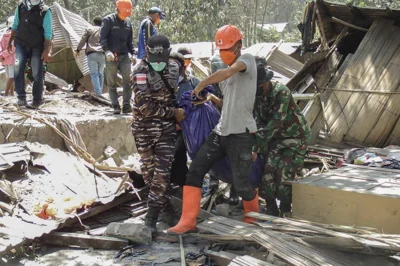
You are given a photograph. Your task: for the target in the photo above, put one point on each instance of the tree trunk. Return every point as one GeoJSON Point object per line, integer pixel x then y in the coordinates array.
{"type": "Point", "coordinates": [255, 22]}
{"type": "Point", "coordinates": [263, 18]}
{"type": "Point", "coordinates": [67, 4]}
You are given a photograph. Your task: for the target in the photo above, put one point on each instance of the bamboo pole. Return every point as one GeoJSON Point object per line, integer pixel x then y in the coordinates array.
{"type": "Point", "coordinates": [81, 152]}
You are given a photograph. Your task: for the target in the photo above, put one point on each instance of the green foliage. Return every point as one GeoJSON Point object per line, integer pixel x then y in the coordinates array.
{"type": "Point", "coordinates": [198, 20]}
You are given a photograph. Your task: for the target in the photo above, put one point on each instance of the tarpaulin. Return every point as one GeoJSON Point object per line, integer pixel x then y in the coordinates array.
{"type": "Point", "coordinates": [199, 123]}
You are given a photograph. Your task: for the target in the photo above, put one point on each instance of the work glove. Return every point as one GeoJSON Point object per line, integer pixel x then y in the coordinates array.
{"type": "Point", "coordinates": [110, 56]}
{"type": "Point", "coordinates": [133, 59]}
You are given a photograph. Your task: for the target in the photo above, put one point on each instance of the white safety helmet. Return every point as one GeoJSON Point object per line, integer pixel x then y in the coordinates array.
{"type": "Point", "coordinates": [10, 21]}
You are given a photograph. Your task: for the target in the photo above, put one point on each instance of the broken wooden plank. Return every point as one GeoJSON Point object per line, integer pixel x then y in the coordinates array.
{"type": "Point", "coordinates": [224, 238]}
{"type": "Point", "coordinates": [6, 207]}
{"type": "Point", "coordinates": [295, 253]}
{"type": "Point", "coordinates": [84, 241]}
{"type": "Point", "coordinates": [222, 258]}
{"type": "Point", "coordinates": [248, 261]}
{"type": "Point", "coordinates": [183, 261]}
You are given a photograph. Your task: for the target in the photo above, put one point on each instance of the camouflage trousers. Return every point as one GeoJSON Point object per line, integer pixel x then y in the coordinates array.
{"type": "Point", "coordinates": [285, 158]}
{"type": "Point", "coordinates": [155, 142]}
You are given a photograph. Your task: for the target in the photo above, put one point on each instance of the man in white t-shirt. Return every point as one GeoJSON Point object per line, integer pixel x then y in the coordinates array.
{"type": "Point", "coordinates": [233, 137]}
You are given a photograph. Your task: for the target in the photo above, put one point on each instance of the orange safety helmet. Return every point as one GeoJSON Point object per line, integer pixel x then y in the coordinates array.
{"type": "Point", "coordinates": [227, 36]}
{"type": "Point", "coordinates": [125, 7]}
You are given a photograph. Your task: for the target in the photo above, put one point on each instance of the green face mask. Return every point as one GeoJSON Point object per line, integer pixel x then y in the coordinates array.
{"type": "Point", "coordinates": [158, 66]}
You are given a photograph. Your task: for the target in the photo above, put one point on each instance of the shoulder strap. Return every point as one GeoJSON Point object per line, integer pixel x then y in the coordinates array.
{"type": "Point", "coordinates": [171, 90]}
{"type": "Point", "coordinates": [164, 79]}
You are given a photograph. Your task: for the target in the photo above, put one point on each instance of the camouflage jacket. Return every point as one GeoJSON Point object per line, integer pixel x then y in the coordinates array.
{"type": "Point", "coordinates": [278, 117]}
{"type": "Point", "coordinates": [153, 99]}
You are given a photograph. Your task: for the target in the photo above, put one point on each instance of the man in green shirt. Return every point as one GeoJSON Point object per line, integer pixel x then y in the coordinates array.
{"type": "Point", "coordinates": [282, 137]}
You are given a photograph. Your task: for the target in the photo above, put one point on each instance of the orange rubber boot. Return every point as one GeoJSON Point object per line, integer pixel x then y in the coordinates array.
{"type": "Point", "coordinates": [190, 210]}
{"type": "Point", "coordinates": [250, 206]}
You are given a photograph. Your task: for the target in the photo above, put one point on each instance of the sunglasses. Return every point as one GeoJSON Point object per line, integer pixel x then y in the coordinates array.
{"type": "Point", "coordinates": [159, 50]}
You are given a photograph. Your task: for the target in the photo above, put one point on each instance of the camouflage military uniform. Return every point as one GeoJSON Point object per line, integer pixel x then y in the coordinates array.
{"type": "Point", "coordinates": [154, 127]}
{"type": "Point", "coordinates": [282, 137]}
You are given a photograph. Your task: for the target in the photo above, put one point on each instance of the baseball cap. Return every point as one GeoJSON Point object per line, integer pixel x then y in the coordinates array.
{"type": "Point", "coordinates": [178, 57]}
{"type": "Point", "coordinates": [159, 48]}
{"type": "Point", "coordinates": [155, 9]}
{"type": "Point", "coordinates": [263, 73]}
{"type": "Point", "coordinates": [186, 52]}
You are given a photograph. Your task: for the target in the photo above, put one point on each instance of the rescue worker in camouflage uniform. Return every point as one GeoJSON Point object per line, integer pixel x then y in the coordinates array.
{"type": "Point", "coordinates": [282, 136]}
{"type": "Point", "coordinates": [155, 81]}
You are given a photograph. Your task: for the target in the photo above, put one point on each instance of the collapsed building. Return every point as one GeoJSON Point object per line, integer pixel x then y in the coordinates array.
{"type": "Point", "coordinates": [69, 170]}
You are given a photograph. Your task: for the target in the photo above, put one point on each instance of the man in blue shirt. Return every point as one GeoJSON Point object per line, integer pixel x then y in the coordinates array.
{"type": "Point", "coordinates": [32, 33]}
{"type": "Point", "coordinates": [148, 29]}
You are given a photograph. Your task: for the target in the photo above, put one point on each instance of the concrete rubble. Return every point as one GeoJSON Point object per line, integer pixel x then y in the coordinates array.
{"type": "Point", "coordinates": [136, 233]}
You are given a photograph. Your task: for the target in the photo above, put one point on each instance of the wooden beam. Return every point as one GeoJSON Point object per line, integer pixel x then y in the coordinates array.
{"type": "Point", "coordinates": [303, 96]}
{"type": "Point", "coordinates": [222, 258]}
{"type": "Point", "coordinates": [348, 24]}
{"type": "Point", "coordinates": [84, 241]}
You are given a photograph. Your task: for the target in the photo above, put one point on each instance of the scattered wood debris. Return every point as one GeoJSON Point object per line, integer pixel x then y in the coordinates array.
{"type": "Point", "coordinates": [84, 241]}
{"type": "Point", "coordinates": [65, 190]}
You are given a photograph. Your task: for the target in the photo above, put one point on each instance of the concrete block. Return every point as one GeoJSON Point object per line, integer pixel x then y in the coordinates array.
{"type": "Point", "coordinates": [137, 233]}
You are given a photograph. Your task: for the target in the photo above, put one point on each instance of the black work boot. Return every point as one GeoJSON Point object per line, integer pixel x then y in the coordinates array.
{"type": "Point", "coordinates": [285, 207]}
{"type": "Point", "coordinates": [233, 198]}
{"type": "Point", "coordinates": [213, 186]}
{"type": "Point", "coordinates": [151, 219]}
{"type": "Point", "coordinates": [34, 104]}
{"type": "Point", "coordinates": [22, 102]}
{"type": "Point", "coordinates": [126, 109]}
{"type": "Point", "coordinates": [117, 109]}
{"type": "Point", "coordinates": [169, 215]}
{"type": "Point", "coordinates": [272, 207]}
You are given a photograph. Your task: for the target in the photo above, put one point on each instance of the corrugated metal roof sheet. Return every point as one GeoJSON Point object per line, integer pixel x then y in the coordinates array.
{"type": "Point", "coordinates": [279, 27]}
{"type": "Point", "coordinates": [263, 49]}
{"type": "Point", "coordinates": [68, 29]}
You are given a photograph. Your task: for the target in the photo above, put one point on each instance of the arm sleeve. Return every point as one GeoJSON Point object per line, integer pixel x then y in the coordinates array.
{"type": "Point", "coordinates": [16, 19]}
{"type": "Point", "coordinates": [48, 25]}
{"type": "Point", "coordinates": [3, 49]}
{"type": "Point", "coordinates": [146, 31]}
{"type": "Point", "coordinates": [104, 32]}
{"type": "Point", "coordinates": [146, 105]}
{"type": "Point", "coordinates": [83, 41]}
{"type": "Point", "coordinates": [130, 42]}
{"type": "Point", "coordinates": [265, 134]}
{"type": "Point", "coordinates": [246, 59]}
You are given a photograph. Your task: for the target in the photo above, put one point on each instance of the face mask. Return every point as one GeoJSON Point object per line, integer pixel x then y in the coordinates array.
{"type": "Point", "coordinates": [122, 17]}
{"type": "Point", "coordinates": [228, 57]}
{"type": "Point", "coordinates": [158, 66]}
{"type": "Point", "coordinates": [187, 62]}
{"type": "Point", "coordinates": [35, 2]}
